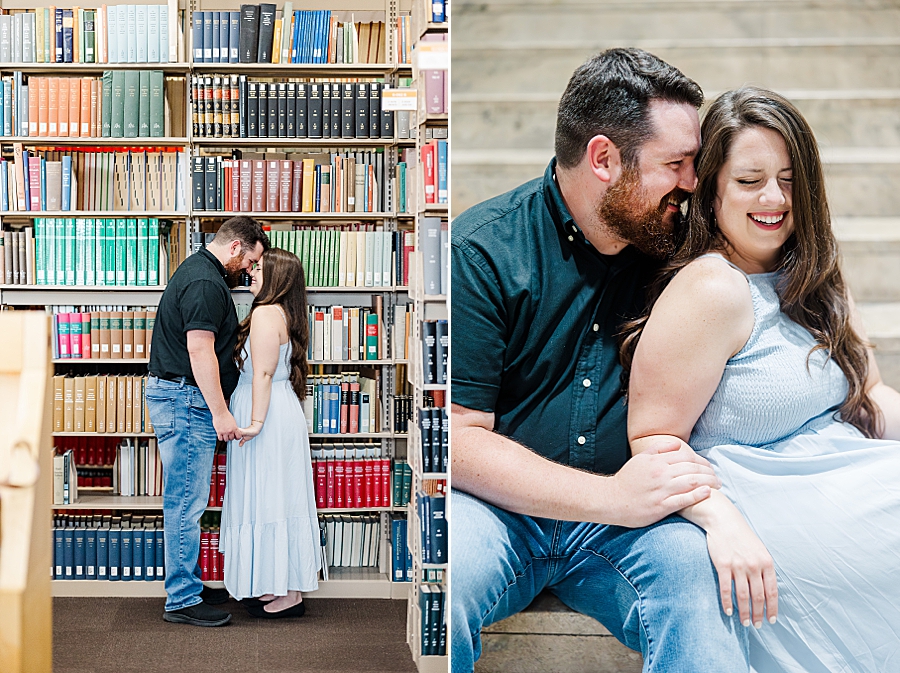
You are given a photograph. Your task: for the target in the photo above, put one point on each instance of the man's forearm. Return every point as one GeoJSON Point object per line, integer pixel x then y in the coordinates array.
{"type": "Point", "coordinates": [205, 367]}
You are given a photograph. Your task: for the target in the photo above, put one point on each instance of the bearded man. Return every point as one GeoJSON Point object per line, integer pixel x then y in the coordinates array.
{"type": "Point", "coordinates": [192, 374]}
{"type": "Point", "coordinates": [547, 495]}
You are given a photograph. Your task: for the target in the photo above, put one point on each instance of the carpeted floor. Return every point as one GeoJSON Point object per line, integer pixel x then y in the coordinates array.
{"type": "Point", "coordinates": [128, 635]}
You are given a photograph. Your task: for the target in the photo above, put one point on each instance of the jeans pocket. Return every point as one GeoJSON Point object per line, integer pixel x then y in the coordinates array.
{"type": "Point", "coordinates": [198, 402]}
{"type": "Point", "coordinates": [162, 415]}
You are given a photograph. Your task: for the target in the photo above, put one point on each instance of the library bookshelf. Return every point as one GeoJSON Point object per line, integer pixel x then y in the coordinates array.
{"type": "Point", "coordinates": [183, 222]}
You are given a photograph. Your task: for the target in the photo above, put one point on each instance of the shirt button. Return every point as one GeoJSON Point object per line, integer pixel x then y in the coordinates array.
{"type": "Point", "coordinates": [574, 228]}
{"type": "Point", "coordinates": [571, 239]}
{"type": "Point", "coordinates": [586, 383]}
{"type": "Point", "coordinates": [596, 327]}
{"type": "Point", "coordinates": [581, 440]}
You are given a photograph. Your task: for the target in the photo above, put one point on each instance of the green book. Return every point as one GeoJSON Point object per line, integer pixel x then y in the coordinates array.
{"type": "Point", "coordinates": [69, 229]}
{"type": "Point", "coordinates": [89, 38]}
{"type": "Point", "coordinates": [80, 259]}
{"type": "Point", "coordinates": [103, 325]}
{"type": "Point", "coordinates": [58, 227]}
{"type": "Point", "coordinates": [333, 247]}
{"type": "Point", "coordinates": [142, 228]}
{"type": "Point", "coordinates": [294, 236]}
{"type": "Point", "coordinates": [117, 122]}
{"type": "Point", "coordinates": [372, 336]}
{"type": "Point", "coordinates": [40, 267]}
{"type": "Point", "coordinates": [106, 104]}
{"type": "Point", "coordinates": [131, 110]}
{"type": "Point", "coordinates": [100, 252]}
{"type": "Point", "coordinates": [109, 246]}
{"type": "Point", "coordinates": [401, 202]}
{"type": "Point", "coordinates": [312, 252]}
{"type": "Point", "coordinates": [157, 105]}
{"type": "Point", "coordinates": [144, 104]}
{"type": "Point", "coordinates": [277, 237]}
{"type": "Point", "coordinates": [90, 237]}
{"type": "Point", "coordinates": [131, 251]}
{"type": "Point", "coordinates": [140, 324]}
{"type": "Point", "coordinates": [121, 251]}
{"type": "Point", "coordinates": [153, 252]}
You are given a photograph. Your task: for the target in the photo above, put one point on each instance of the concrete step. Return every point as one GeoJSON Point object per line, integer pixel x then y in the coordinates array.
{"type": "Point", "coordinates": [870, 248]}
{"type": "Point", "coordinates": [548, 636]}
{"type": "Point", "coordinates": [510, 23]}
{"type": "Point", "coordinates": [839, 118]}
{"type": "Point", "coordinates": [882, 321]}
{"type": "Point", "coordinates": [821, 64]}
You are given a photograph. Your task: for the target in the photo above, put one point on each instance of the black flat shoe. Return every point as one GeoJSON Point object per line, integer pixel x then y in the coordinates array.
{"type": "Point", "coordinates": [212, 596]}
{"type": "Point", "coordinates": [198, 615]}
{"type": "Point", "coordinates": [295, 611]}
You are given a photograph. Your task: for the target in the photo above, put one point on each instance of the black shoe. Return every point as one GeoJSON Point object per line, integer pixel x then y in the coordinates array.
{"type": "Point", "coordinates": [198, 615]}
{"type": "Point", "coordinates": [294, 611]}
{"type": "Point", "coordinates": [212, 596]}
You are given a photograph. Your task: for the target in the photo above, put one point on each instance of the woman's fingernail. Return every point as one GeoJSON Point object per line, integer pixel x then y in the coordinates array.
{"type": "Point", "coordinates": [758, 625]}
{"type": "Point", "coordinates": [772, 620]}
{"type": "Point", "coordinates": [746, 622]}
{"type": "Point", "coordinates": [729, 612]}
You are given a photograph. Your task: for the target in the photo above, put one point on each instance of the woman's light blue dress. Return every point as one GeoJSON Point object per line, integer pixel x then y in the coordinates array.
{"type": "Point", "coordinates": [270, 531]}
{"type": "Point", "coordinates": [824, 499]}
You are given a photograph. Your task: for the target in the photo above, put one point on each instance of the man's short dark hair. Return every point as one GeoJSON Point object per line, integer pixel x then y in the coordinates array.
{"type": "Point", "coordinates": [610, 95]}
{"type": "Point", "coordinates": [244, 229]}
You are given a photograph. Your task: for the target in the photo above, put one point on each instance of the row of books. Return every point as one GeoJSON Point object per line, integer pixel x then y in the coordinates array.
{"type": "Point", "coordinates": [402, 481]}
{"type": "Point", "coordinates": [435, 171]}
{"type": "Point", "coordinates": [17, 257]}
{"type": "Point", "coordinates": [217, 480]}
{"type": "Point", "coordinates": [211, 561]}
{"type": "Point", "coordinates": [355, 477]}
{"type": "Point", "coordinates": [345, 404]}
{"type": "Point", "coordinates": [433, 604]}
{"type": "Point", "coordinates": [98, 251]}
{"type": "Point", "coordinates": [262, 34]}
{"type": "Point", "coordinates": [434, 429]}
{"type": "Point", "coordinates": [108, 179]}
{"type": "Point", "coordinates": [401, 559]}
{"type": "Point", "coordinates": [65, 478]}
{"type": "Point", "coordinates": [435, 348]}
{"type": "Point", "coordinates": [138, 468]}
{"type": "Point", "coordinates": [108, 547]}
{"type": "Point", "coordinates": [107, 34]}
{"type": "Point", "coordinates": [434, 242]}
{"type": "Point", "coordinates": [102, 404]}
{"type": "Point", "coordinates": [352, 541]}
{"type": "Point", "coordinates": [120, 104]}
{"type": "Point", "coordinates": [101, 335]}
{"type": "Point", "coordinates": [309, 183]}
{"type": "Point", "coordinates": [233, 106]}
{"type": "Point", "coordinates": [88, 452]}
{"type": "Point", "coordinates": [345, 334]}
{"type": "Point", "coordinates": [403, 412]}
{"type": "Point", "coordinates": [432, 527]}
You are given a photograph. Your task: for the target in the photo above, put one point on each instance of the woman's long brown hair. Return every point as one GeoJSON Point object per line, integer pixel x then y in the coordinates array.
{"type": "Point", "coordinates": [284, 283]}
{"type": "Point", "coordinates": [810, 285]}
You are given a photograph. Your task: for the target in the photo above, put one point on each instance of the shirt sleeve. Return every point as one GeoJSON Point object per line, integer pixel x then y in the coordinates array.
{"type": "Point", "coordinates": [479, 331]}
{"type": "Point", "coordinates": [202, 307]}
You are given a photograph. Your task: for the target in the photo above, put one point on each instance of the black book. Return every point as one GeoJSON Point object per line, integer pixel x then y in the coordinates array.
{"type": "Point", "coordinates": [242, 106]}
{"type": "Point", "coordinates": [300, 111]}
{"type": "Point", "coordinates": [435, 442]}
{"type": "Point", "coordinates": [282, 110]}
{"type": "Point", "coordinates": [195, 105]}
{"type": "Point", "coordinates": [262, 119]}
{"type": "Point", "coordinates": [429, 351]}
{"type": "Point", "coordinates": [445, 441]}
{"type": "Point", "coordinates": [375, 110]}
{"type": "Point", "coordinates": [235, 106]}
{"type": "Point", "coordinates": [252, 111]}
{"type": "Point", "coordinates": [326, 110]}
{"type": "Point", "coordinates": [209, 108]}
{"type": "Point", "coordinates": [217, 107]}
{"type": "Point", "coordinates": [335, 110]}
{"type": "Point", "coordinates": [273, 110]}
{"type": "Point", "coordinates": [442, 343]}
{"type": "Point", "coordinates": [314, 111]}
{"type": "Point", "coordinates": [198, 181]}
{"type": "Point", "coordinates": [362, 110]}
{"type": "Point", "coordinates": [291, 129]}
{"type": "Point", "coordinates": [425, 430]}
{"type": "Point", "coordinates": [387, 122]}
{"type": "Point", "coordinates": [248, 37]}
{"type": "Point", "coordinates": [211, 180]}
{"type": "Point", "coordinates": [266, 33]}
{"type": "Point", "coordinates": [348, 110]}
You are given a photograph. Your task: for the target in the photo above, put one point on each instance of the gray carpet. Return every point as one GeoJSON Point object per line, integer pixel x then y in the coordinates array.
{"type": "Point", "coordinates": [125, 635]}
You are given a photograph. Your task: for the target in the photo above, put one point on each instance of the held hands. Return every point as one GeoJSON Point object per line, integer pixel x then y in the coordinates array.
{"type": "Point", "coordinates": [250, 432]}
{"type": "Point", "coordinates": [662, 479]}
{"type": "Point", "coordinates": [226, 427]}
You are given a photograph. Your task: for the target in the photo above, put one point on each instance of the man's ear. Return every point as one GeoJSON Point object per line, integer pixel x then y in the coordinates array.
{"type": "Point", "coordinates": [235, 248]}
{"type": "Point", "coordinates": [604, 158]}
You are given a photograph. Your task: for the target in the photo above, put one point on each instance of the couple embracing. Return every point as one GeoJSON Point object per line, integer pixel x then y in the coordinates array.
{"type": "Point", "coordinates": [666, 411]}
{"type": "Point", "coordinates": [201, 357]}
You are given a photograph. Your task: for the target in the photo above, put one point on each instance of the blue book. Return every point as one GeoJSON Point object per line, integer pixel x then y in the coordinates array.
{"type": "Point", "coordinates": [163, 34]}
{"type": "Point", "coordinates": [438, 529]}
{"type": "Point", "coordinates": [216, 36]}
{"type": "Point", "coordinates": [234, 37]}
{"type": "Point", "coordinates": [126, 555]}
{"type": "Point", "coordinates": [131, 34]}
{"type": "Point", "coordinates": [160, 553]}
{"type": "Point", "coordinates": [69, 553]}
{"type": "Point", "coordinates": [58, 20]}
{"type": "Point", "coordinates": [323, 36]}
{"type": "Point", "coordinates": [425, 526]}
{"type": "Point", "coordinates": [141, 28]}
{"type": "Point", "coordinates": [317, 36]}
{"type": "Point", "coordinates": [208, 37]}
{"type": "Point", "coordinates": [68, 36]}
{"type": "Point", "coordinates": [121, 32]}
{"type": "Point", "coordinates": [317, 181]}
{"type": "Point", "coordinates": [224, 32]}
{"type": "Point", "coordinates": [137, 553]}
{"type": "Point", "coordinates": [335, 409]}
{"type": "Point", "coordinates": [437, 11]}
{"type": "Point", "coordinates": [153, 33]}
{"type": "Point", "coordinates": [103, 554]}
{"type": "Point", "coordinates": [199, 18]}
{"type": "Point", "coordinates": [27, 184]}
{"type": "Point", "coordinates": [43, 184]}
{"type": "Point", "coordinates": [295, 44]}
{"type": "Point", "coordinates": [59, 557]}
{"type": "Point", "coordinates": [66, 201]}
{"type": "Point", "coordinates": [23, 112]}
{"type": "Point", "coordinates": [115, 554]}
{"type": "Point", "coordinates": [2, 107]}
{"type": "Point", "coordinates": [7, 109]}
{"type": "Point", "coordinates": [320, 411]}
{"type": "Point", "coordinates": [149, 554]}
{"type": "Point", "coordinates": [112, 33]}
{"type": "Point", "coordinates": [90, 553]}
{"type": "Point", "coordinates": [4, 185]}
{"type": "Point", "coordinates": [398, 562]}
{"type": "Point", "coordinates": [442, 170]}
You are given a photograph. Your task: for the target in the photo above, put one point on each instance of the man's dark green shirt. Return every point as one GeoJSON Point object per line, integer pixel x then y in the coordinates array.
{"type": "Point", "coordinates": [196, 298]}
{"type": "Point", "coordinates": [536, 310]}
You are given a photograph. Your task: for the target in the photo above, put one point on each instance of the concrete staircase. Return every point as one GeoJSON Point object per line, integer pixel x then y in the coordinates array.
{"type": "Point", "coordinates": [838, 60]}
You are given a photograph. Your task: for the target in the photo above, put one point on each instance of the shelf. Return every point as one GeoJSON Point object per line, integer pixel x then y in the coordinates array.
{"type": "Point", "coordinates": [293, 142]}
{"type": "Point", "coordinates": [91, 213]}
{"type": "Point", "coordinates": [351, 363]}
{"type": "Point", "coordinates": [105, 500]}
{"type": "Point", "coordinates": [432, 476]}
{"type": "Point", "coordinates": [86, 288]}
{"type": "Point", "coordinates": [95, 67]}
{"type": "Point", "coordinates": [326, 290]}
{"type": "Point", "coordinates": [434, 118]}
{"type": "Point", "coordinates": [103, 434]}
{"type": "Point", "coordinates": [297, 69]}
{"type": "Point", "coordinates": [434, 209]}
{"type": "Point", "coordinates": [359, 435]}
{"type": "Point", "coordinates": [113, 142]}
{"type": "Point", "coordinates": [264, 215]}
{"type": "Point", "coordinates": [30, 295]}
{"type": "Point", "coordinates": [105, 361]}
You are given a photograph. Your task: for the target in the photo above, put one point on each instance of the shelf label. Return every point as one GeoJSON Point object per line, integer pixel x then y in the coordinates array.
{"type": "Point", "coordinates": [433, 56]}
{"type": "Point", "coordinates": [398, 99]}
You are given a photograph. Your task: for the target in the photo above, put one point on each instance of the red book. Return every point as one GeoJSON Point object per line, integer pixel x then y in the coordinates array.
{"type": "Point", "coordinates": [273, 172]}
{"type": "Point", "coordinates": [321, 483]}
{"type": "Point", "coordinates": [85, 335]}
{"type": "Point", "coordinates": [62, 335]}
{"type": "Point", "coordinates": [285, 181]}
{"type": "Point", "coordinates": [204, 556]}
{"type": "Point", "coordinates": [220, 487]}
{"type": "Point", "coordinates": [226, 179]}
{"type": "Point", "coordinates": [75, 325]}
{"type": "Point", "coordinates": [348, 483]}
{"type": "Point", "coordinates": [213, 481]}
{"type": "Point", "coordinates": [329, 484]}
{"type": "Point", "coordinates": [214, 568]}
{"type": "Point", "coordinates": [339, 485]}
{"type": "Point", "coordinates": [34, 177]}
{"type": "Point", "coordinates": [353, 409]}
{"type": "Point", "coordinates": [258, 188]}
{"type": "Point", "coordinates": [428, 160]}
{"type": "Point", "coordinates": [221, 566]}
{"type": "Point", "coordinates": [385, 482]}
{"type": "Point", "coordinates": [235, 185]}
{"type": "Point", "coordinates": [246, 180]}
{"type": "Point", "coordinates": [345, 406]}
{"type": "Point", "coordinates": [359, 478]}
{"type": "Point", "coordinates": [369, 483]}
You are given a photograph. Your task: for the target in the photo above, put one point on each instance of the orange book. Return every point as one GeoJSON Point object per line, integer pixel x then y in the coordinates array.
{"type": "Point", "coordinates": [68, 405]}
{"type": "Point", "coordinates": [101, 403]}
{"type": "Point", "coordinates": [128, 335]}
{"type": "Point", "coordinates": [140, 334]}
{"type": "Point", "coordinates": [95, 108]}
{"type": "Point", "coordinates": [63, 105]}
{"type": "Point", "coordinates": [129, 404]}
{"type": "Point", "coordinates": [53, 102]}
{"type": "Point", "coordinates": [137, 402]}
{"type": "Point", "coordinates": [115, 333]}
{"type": "Point", "coordinates": [111, 403]}
{"type": "Point", "coordinates": [74, 107]}
{"type": "Point", "coordinates": [85, 115]}
{"type": "Point", "coordinates": [79, 404]}
{"type": "Point", "coordinates": [58, 403]}
{"type": "Point", "coordinates": [76, 43]}
{"type": "Point", "coordinates": [52, 29]}
{"type": "Point", "coordinates": [33, 106]}
{"type": "Point", "coordinates": [43, 106]}
{"type": "Point", "coordinates": [121, 416]}
{"type": "Point", "coordinates": [90, 404]}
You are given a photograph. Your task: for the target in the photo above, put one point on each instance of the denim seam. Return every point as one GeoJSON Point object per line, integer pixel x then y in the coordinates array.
{"type": "Point", "coordinates": [650, 654]}
{"type": "Point", "coordinates": [503, 593]}
{"type": "Point", "coordinates": [184, 499]}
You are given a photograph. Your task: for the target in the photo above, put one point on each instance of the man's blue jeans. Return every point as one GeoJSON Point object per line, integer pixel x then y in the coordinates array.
{"type": "Point", "coordinates": [187, 443]}
{"type": "Point", "coordinates": [654, 588]}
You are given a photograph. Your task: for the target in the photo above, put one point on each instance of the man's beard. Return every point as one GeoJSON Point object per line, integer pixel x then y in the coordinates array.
{"type": "Point", "coordinates": [624, 211]}
{"type": "Point", "coordinates": [233, 270]}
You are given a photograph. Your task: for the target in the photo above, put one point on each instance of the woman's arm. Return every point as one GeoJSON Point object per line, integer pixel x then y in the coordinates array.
{"type": "Point", "coordinates": [265, 337]}
{"type": "Point", "coordinates": [702, 319]}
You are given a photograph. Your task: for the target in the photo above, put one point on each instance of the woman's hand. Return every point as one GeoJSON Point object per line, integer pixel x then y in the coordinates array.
{"type": "Point", "coordinates": [250, 432]}
{"type": "Point", "coordinates": [740, 557]}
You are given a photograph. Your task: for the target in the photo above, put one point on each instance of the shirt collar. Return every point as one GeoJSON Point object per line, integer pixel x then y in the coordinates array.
{"type": "Point", "coordinates": [211, 257]}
